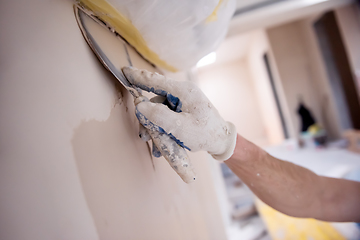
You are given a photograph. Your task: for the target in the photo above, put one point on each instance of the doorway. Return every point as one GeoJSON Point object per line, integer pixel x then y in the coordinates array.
{"type": "Point", "coordinates": [339, 72]}
{"type": "Point", "coordinates": [276, 95]}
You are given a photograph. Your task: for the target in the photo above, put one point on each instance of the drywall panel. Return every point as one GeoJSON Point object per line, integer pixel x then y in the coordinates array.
{"type": "Point", "coordinates": [71, 164]}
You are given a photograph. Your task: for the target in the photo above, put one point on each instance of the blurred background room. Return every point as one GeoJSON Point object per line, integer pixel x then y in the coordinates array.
{"type": "Point", "coordinates": [287, 75]}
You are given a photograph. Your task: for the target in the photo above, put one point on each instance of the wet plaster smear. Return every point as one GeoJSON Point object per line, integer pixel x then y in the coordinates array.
{"type": "Point", "coordinates": [130, 198]}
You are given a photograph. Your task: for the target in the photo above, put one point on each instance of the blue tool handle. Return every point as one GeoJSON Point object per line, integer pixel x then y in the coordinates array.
{"type": "Point", "coordinates": [174, 154]}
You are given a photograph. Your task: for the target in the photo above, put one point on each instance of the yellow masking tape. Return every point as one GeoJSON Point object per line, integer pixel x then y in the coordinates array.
{"type": "Point", "coordinates": [106, 12]}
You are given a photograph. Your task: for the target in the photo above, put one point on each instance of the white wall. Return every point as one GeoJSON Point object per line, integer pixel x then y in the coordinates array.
{"type": "Point", "coordinates": [289, 44]}
{"type": "Point", "coordinates": [71, 163]}
{"type": "Point", "coordinates": [231, 89]}
{"type": "Point", "coordinates": [267, 105]}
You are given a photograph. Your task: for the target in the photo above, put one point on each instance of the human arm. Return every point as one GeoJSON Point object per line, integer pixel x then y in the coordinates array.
{"type": "Point", "coordinates": [289, 188]}
{"type": "Point", "coordinates": [294, 190]}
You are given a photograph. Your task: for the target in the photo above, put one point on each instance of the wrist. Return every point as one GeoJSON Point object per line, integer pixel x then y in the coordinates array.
{"type": "Point", "coordinates": [230, 144]}
{"type": "Point", "coordinates": [245, 151]}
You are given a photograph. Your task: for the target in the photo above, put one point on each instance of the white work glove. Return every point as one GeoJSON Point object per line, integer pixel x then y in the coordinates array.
{"type": "Point", "coordinates": [193, 122]}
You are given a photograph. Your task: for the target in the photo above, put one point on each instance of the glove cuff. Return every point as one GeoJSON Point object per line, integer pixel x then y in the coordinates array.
{"type": "Point", "coordinates": [230, 144]}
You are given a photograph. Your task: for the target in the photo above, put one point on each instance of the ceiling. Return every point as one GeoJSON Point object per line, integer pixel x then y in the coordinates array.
{"type": "Point", "coordinates": [243, 6]}
{"type": "Point", "coordinates": [256, 14]}
{"type": "Point", "coordinates": [253, 15]}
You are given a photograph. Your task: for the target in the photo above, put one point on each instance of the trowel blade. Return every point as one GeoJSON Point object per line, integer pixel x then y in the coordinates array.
{"type": "Point", "coordinates": [108, 48]}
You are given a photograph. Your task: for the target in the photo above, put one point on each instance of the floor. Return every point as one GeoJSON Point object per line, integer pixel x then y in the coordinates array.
{"type": "Point", "coordinates": [331, 162]}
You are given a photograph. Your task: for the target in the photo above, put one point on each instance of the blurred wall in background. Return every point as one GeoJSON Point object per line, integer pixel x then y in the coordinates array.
{"type": "Point", "coordinates": [289, 47]}
{"type": "Point", "coordinates": [230, 87]}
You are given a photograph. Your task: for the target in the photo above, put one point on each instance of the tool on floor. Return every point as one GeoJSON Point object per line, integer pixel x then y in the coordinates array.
{"type": "Point", "coordinates": [173, 153]}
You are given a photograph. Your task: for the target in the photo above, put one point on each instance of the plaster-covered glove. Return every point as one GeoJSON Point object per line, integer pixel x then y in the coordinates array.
{"type": "Point", "coordinates": [195, 124]}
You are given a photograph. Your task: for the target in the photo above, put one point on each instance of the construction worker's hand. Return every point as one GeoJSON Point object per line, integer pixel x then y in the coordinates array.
{"type": "Point", "coordinates": [184, 113]}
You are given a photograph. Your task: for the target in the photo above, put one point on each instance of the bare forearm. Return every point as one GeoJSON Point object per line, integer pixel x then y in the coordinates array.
{"type": "Point", "coordinates": [289, 188]}
{"type": "Point", "coordinates": [340, 200]}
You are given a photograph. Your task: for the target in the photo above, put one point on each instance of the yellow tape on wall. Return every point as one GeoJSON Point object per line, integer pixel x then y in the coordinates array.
{"type": "Point", "coordinates": [106, 12]}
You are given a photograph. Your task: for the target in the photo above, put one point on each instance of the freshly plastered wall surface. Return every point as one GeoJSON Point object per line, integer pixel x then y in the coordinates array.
{"type": "Point", "coordinates": [230, 87]}
{"type": "Point", "coordinates": [71, 164]}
